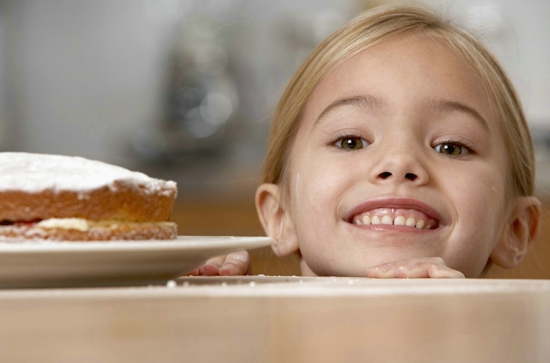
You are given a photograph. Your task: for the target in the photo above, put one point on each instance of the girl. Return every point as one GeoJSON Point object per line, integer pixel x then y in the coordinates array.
{"type": "Point", "coordinates": [398, 149]}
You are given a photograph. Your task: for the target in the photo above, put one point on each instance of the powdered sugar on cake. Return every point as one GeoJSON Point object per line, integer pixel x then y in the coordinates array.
{"type": "Point", "coordinates": [34, 173]}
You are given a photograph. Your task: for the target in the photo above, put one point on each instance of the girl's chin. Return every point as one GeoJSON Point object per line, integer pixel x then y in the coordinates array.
{"type": "Point", "coordinates": [349, 268]}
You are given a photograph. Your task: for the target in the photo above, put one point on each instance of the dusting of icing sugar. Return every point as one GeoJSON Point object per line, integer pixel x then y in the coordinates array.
{"type": "Point", "coordinates": [37, 172]}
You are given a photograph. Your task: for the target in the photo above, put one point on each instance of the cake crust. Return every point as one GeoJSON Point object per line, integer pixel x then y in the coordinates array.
{"type": "Point", "coordinates": [37, 187]}
{"type": "Point", "coordinates": [122, 231]}
{"type": "Point", "coordinates": [119, 201]}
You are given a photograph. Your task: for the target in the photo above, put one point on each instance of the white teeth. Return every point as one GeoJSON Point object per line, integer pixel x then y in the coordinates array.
{"type": "Point", "coordinates": [399, 221]}
{"type": "Point", "coordinates": [387, 219]}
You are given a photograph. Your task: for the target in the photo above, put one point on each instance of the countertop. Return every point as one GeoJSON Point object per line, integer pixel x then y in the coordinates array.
{"type": "Point", "coordinates": [281, 319]}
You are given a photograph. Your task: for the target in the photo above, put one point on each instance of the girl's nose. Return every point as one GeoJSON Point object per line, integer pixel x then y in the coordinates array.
{"type": "Point", "coordinates": [387, 175]}
{"type": "Point", "coordinates": [399, 167]}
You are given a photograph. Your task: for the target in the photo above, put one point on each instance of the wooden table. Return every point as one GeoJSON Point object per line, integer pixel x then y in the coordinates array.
{"type": "Point", "coordinates": [281, 319]}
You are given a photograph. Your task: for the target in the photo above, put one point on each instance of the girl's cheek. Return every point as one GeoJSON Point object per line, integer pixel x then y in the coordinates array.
{"type": "Point", "coordinates": [316, 186]}
{"type": "Point", "coordinates": [297, 191]}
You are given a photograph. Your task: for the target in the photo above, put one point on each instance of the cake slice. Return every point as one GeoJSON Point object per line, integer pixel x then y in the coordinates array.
{"type": "Point", "coordinates": [64, 198]}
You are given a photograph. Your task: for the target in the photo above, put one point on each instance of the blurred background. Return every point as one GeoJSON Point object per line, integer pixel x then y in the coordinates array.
{"type": "Point", "coordinates": [184, 90]}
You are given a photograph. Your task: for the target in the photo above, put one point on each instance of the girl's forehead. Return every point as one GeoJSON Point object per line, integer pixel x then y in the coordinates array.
{"type": "Point", "coordinates": [406, 67]}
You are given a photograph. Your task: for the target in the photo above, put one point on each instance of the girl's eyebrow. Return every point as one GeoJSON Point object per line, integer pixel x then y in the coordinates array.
{"type": "Point", "coordinates": [443, 105]}
{"type": "Point", "coordinates": [368, 101]}
{"type": "Point", "coordinates": [373, 102]}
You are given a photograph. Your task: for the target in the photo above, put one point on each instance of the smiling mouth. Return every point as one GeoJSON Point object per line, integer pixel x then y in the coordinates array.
{"type": "Point", "coordinates": [406, 218]}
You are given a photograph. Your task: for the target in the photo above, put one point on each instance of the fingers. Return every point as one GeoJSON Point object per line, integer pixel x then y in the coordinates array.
{"type": "Point", "coordinates": [444, 272]}
{"type": "Point", "coordinates": [433, 267]}
{"type": "Point", "coordinates": [194, 272]}
{"type": "Point", "coordinates": [212, 266]}
{"type": "Point", "coordinates": [237, 263]}
{"type": "Point", "coordinates": [233, 264]}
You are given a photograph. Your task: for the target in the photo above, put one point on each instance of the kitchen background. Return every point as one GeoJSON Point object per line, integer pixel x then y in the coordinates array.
{"type": "Point", "coordinates": [184, 90]}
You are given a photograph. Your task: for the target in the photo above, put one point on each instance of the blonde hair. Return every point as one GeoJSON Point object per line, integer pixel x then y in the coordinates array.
{"type": "Point", "coordinates": [382, 24]}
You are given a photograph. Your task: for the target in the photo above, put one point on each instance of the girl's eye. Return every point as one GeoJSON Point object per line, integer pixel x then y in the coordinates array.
{"type": "Point", "coordinates": [351, 143]}
{"type": "Point", "coordinates": [451, 149]}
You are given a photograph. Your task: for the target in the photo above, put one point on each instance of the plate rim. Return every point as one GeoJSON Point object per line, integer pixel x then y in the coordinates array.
{"type": "Point", "coordinates": [180, 243]}
{"type": "Point", "coordinates": [118, 263]}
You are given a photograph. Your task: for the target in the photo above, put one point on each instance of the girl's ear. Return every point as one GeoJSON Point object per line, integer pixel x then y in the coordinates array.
{"type": "Point", "coordinates": [520, 233]}
{"type": "Point", "coordinates": [275, 219]}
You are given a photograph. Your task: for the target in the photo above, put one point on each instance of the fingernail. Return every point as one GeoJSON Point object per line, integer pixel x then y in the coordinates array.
{"type": "Point", "coordinates": [410, 267]}
{"type": "Point", "coordinates": [226, 271]}
{"type": "Point", "coordinates": [385, 267]}
{"type": "Point", "coordinates": [228, 268]}
{"type": "Point", "coordinates": [207, 270]}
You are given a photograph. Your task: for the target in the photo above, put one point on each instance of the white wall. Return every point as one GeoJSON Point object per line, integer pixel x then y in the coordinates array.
{"type": "Point", "coordinates": [519, 33]}
{"type": "Point", "coordinates": [88, 73]}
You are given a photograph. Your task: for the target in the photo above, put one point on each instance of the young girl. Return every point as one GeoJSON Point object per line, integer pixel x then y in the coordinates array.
{"type": "Point", "coordinates": [398, 149]}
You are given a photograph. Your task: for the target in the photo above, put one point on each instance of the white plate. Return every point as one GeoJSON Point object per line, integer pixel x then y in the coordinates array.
{"type": "Point", "coordinates": [113, 263]}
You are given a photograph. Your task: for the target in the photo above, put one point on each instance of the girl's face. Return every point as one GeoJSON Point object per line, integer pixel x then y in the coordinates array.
{"type": "Point", "coordinates": [398, 156]}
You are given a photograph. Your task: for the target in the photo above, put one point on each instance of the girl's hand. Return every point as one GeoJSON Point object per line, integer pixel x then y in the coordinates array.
{"type": "Point", "coordinates": [433, 267]}
{"type": "Point", "coordinates": [233, 264]}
